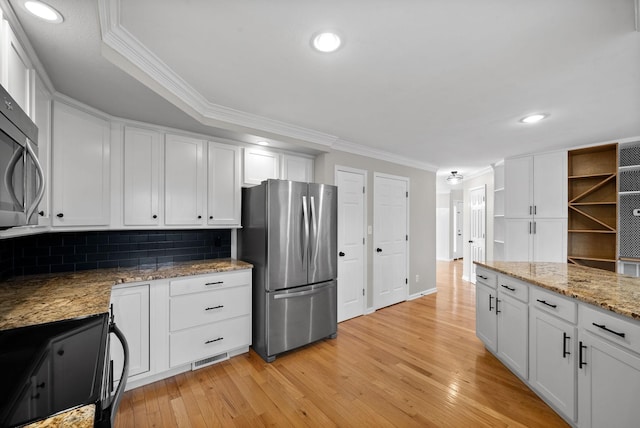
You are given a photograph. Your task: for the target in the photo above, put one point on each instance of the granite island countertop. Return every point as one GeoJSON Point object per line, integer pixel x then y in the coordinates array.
{"type": "Point", "coordinates": [608, 290]}
{"type": "Point", "coordinates": [39, 299]}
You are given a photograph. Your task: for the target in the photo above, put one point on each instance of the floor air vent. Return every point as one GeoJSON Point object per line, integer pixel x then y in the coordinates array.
{"type": "Point", "coordinates": [209, 361]}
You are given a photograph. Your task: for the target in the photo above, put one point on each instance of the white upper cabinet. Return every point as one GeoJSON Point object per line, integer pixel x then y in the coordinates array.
{"type": "Point", "coordinates": [42, 119]}
{"type": "Point", "coordinates": [18, 73]}
{"type": "Point", "coordinates": [536, 186]}
{"type": "Point", "coordinates": [297, 168]}
{"type": "Point", "coordinates": [80, 164]}
{"type": "Point", "coordinates": [142, 175]}
{"type": "Point", "coordinates": [185, 181]}
{"type": "Point", "coordinates": [260, 165]}
{"type": "Point", "coordinates": [224, 192]}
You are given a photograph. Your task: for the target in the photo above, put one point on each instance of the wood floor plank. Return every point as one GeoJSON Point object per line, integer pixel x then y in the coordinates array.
{"type": "Point", "coordinates": [417, 363]}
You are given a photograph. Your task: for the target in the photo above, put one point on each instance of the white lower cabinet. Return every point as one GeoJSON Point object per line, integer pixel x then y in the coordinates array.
{"type": "Point", "coordinates": [131, 315]}
{"type": "Point", "coordinates": [552, 369]}
{"type": "Point", "coordinates": [513, 333]}
{"type": "Point", "coordinates": [582, 360]}
{"type": "Point", "coordinates": [608, 371]}
{"type": "Point", "coordinates": [209, 316]}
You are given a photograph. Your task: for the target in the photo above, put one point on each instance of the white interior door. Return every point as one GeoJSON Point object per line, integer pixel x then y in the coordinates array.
{"type": "Point", "coordinates": [351, 240]}
{"type": "Point", "coordinates": [390, 239]}
{"type": "Point", "coordinates": [477, 226]}
{"type": "Point", "coordinates": [457, 229]}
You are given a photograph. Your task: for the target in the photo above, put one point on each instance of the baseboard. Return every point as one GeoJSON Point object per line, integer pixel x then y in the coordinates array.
{"type": "Point", "coordinates": [423, 293]}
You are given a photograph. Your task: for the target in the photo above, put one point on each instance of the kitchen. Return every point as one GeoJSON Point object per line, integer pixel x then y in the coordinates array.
{"type": "Point", "coordinates": [109, 126]}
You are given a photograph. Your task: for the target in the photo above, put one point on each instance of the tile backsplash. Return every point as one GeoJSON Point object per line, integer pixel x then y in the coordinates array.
{"type": "Point", "coordinates": [73, 251]}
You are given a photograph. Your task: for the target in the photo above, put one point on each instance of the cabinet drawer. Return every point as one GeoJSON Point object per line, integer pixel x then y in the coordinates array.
{"type": "Point", "coordinates": [513, 287]}
{"type": "Point", "coordinates": [191, 310]}
{"type": "Point", "coordinates": [611, 327]}
{"type": "Point", "coordinates": [208, 340]}
{"type": "Point", "coordinates": [555, 304]}
{"type": "Point", "coordinates": [209, 282]}
{"type": "Point", "coordinates": [487, 277]}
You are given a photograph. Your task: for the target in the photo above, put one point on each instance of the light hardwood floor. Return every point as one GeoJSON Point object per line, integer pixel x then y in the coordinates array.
{"type": "Point", "coordinates": [417, 363]}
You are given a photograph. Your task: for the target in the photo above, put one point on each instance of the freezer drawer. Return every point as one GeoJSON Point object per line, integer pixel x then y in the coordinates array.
{"type": "Point", "coordinates": [300, 316]}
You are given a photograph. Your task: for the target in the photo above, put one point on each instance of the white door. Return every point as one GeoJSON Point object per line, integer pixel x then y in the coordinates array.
{"type": "Point", "coordinates": [457, 229]}
{"type": "Point", "coordinates": [477, 228]}
{"type": "Point", "coordinates": [351, 234]}
{"type": "Point", "coordinates": [390, 239]}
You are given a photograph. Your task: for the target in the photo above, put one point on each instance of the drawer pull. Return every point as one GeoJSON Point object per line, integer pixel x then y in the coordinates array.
{"type": "Point", "coordinates": [214, 283]}
{"type": "Point", "coordinates": [580, 362]}
{"type": "Point", "coordinates": [544, 302]}
{"type": "Point", "coordinates": [214, 307]}
{"type": "Point", "coordinates": [483, 277]}
{"type": "Point", "coordinates": [604, 327]}
{"type": "Point", "coordinates": [564, 345]}
{"type": "Point", "coordinates": [213, 340]}
{"type": "Point", "coordinates": [507, 287]}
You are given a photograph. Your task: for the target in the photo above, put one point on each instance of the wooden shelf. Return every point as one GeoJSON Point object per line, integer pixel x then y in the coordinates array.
{"type": "Point", "coordinates": [593, 206]}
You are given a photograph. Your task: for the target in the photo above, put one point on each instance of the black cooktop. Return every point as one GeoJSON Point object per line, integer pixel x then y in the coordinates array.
{"type": "Point", "coordinates": [49, 368]}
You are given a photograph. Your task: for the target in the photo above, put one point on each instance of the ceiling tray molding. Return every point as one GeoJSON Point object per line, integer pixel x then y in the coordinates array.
{"type": "Point", "coordinates": [174, 88]}
{"type": "Point", "coordinates": [358, 149]}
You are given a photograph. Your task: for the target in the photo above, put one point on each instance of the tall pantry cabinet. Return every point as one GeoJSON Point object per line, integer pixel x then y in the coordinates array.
{"type": "Point", "coordinates": [535, 211]}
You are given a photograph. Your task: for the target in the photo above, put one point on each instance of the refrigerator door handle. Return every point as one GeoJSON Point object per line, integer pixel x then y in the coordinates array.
{"type": "Point", "coordinates": [299, 293]}
{"type": "Point", "coordinates": [305, 221]}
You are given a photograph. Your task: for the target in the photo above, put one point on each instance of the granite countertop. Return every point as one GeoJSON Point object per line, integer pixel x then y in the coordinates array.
{"type": "Point", "coordinates": [82, 417]}
{"type": "Point", "coordinates": [608, 290]}
{"type": "Point", "coordinates": [39, 299]}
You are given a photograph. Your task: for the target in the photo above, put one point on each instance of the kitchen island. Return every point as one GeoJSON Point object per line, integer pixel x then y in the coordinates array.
{"type": "Point", "coordinates": [571, 333]}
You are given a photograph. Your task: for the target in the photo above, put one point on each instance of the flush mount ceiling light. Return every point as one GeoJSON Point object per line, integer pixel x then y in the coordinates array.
{"type": "Point", "coordinates": [326, 41]}
{"type": "Point", "coordinates": [262, 143]}
{"type": "Point", "coordinates": [454, 178]}
{"type": "Point", "coordinates": [533, 118]}
{"type": "Point", "coordinates": [43, 11]}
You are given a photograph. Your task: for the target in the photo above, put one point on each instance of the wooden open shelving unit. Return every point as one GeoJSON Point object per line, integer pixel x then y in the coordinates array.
{"type": "Point", "coordinates": [593, 206]}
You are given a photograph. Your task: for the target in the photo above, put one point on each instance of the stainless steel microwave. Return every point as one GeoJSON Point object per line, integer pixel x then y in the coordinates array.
{"type": "Point", "coordinates": [23, 183]}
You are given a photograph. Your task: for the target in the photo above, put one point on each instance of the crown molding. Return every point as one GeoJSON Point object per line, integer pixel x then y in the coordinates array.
{"type": "Point", "coordinates": [358, 149]}
{"type": "Point", "coordinates": [153, 72]}
{"type": "Point", "coordinates": [122, 42]}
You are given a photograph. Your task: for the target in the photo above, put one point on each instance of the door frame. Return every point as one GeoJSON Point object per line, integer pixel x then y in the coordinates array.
{"type": "Point", "coordinates": [407, 180]}
{"type": "Point", "coordinates": [365, 213]}
{"type": "Point", "coordinates": [472, 277]}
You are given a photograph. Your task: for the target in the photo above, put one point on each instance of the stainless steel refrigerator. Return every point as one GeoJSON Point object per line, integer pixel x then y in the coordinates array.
{"type": "Point", "coordinates": [289, 234]}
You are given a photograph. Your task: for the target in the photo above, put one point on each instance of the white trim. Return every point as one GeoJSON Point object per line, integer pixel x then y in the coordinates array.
{"type": "Point", "coordinates": [364, 173]}
{"type": "Point", "coordinates": [128, 53]}
{"type": "Point", "coordinates": [346, 146]}
{"type": "Point", "coordinates": [422, 293]}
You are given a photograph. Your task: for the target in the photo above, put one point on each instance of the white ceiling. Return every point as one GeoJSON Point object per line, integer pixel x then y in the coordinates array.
{"type": "Point", "coordinates": [439, 83]}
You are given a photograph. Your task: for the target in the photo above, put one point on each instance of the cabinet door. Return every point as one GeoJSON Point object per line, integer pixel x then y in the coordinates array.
{"type": "Point", "coordinates": [486, 320]}
{"type": "Point", "coordinates": [549, 240]}
{"type": "Point", "coordinates": [131, 315]}
{"type": "Point", "coordinates": [550, 185]}
{"type": "Point", "coordinates": [260, 165]}
{"type": "Point", "coordinates": [185, 181]}
{"type": "Point", "coordinates": [80, 163]}
{"type": "Point", "coordinates": [608, 384]}
{"type": "Point", "coordinates": [552, 366]}
{"type": "Point", "coordinates": [518, 187]}
{"type": "Point", "coordinates": [513, 333]}
{"type": "Point", "coordinates": [142, 168]}
{"type": "Point", "coordinates": [18, 71]}
{"type": "Point", "coordinates": [297, 168]}
{"type": "Point", "coordinates": [224, 185]}
{"type": "Point", "coordinates": [42, 119]}
{"type": "Point", "coordinates": [517, 240]}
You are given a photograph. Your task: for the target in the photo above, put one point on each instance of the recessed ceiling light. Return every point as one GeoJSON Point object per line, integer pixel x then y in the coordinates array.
{"type": "Point", "coordinates": [533, 118]}
{"type": "Point", "coordinates": [43, 11]}
{"type": "Point", "coordinates": [262, 143]}
{"type": "Point", "coordinates": [326, 42]}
